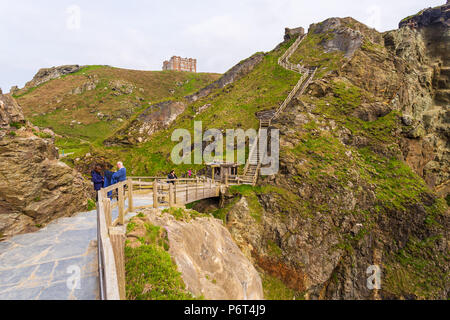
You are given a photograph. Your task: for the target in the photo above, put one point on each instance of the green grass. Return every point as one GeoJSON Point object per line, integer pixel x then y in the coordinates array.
{"type": "Point", "coordinates": [151, 275]}
{"type": "Point", "coordinates": [275, 289]}
{"type": "Point", "coordinates": [396, 183]}
{"type": "Point", "coordinates": [416, 270]}
{"type": "Point", "coordinates": [182, 214]}
{"type": "Point", "coordinates": [150, 272]}
{"type": "Point", "coordinates": [310, 53]}
{"type": "Point", "coordinates": [232, 107]}
{"type": "Point", "coordinates": [91, 205]}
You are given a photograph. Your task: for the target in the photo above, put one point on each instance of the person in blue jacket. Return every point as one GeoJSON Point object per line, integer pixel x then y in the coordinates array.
{"type": "Point", "coordinates": [97, 179]}
{"type": "Point", "coordinates": [112, 178]}
{"type": "Point", "coordinates": [120, 175]}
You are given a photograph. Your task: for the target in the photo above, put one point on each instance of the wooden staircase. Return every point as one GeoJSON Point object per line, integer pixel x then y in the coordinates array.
{"type": "Point", "coordinates": [253, 165]}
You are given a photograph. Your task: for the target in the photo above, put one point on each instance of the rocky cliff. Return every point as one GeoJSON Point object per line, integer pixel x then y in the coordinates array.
{"type": "Point", "coordinates": [210, 263]}
{"type": "Point", "coordinates": [35, 187]}
{"type": "Point", "coordinates": [363, 170]}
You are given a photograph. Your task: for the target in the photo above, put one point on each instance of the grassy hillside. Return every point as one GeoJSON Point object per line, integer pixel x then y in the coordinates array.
{"type": "Point", "coordinates": [87, 106]}
{"type": "Point", "coordinates": [232, 107]}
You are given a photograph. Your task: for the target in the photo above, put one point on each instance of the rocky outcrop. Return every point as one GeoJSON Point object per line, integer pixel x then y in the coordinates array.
{"type": "Point", "coordinates": [10, 111]}
{"type": "Point", "coordinates": [428, 17]}
{"type": "Point", "coordinates": [422, 53]}
{"type": "Point", "coordinates": [210, 263]}
{"type": "Point", "coordinates": [35, 187]}
{"type": "Point", "coordinates": [157, 117]}
{"type": "Point", "coordinates": [291, 33]}
{"type": "Point", "coordinates": [344, 198]}
{"type": "Point", "coordinates": [47, 74]}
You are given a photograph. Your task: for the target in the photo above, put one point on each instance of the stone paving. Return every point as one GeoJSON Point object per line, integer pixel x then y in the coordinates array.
{"type": "Point", "coordinates": [59, 262]}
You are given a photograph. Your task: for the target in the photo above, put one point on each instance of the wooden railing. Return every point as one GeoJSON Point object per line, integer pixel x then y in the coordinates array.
{"type": "Point", "coordinates": [300, 87]}
{"type": "Point", "coordinates": [111, 232]}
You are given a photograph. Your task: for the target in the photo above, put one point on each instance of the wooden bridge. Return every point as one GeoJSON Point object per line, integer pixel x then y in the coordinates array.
{"type": "Point", "coordinates": [160, 193]}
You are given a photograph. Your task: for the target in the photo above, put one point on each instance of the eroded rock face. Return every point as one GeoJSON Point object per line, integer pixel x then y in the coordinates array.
{"type": "Point", "coordinates": [210, 262]}
{"type": "Point", "coordinates": [35, 187]}
{"type": "Point", "coordinates": [318, 231]}
{"type": "Point", "coordinates": [345, 39]}
{"type": "Point", "coordinates": [157, 117]}
{"type": "Point", "coordinates": [10, 111]}
{"type": "Point", "coordinates": [423, 54]}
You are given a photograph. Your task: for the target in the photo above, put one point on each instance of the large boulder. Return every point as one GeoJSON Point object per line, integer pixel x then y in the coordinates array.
{"type": "Point", "coordinates": [10, 111]}
{"type": "Point", "coordinates": [210, 263]}
{"type": "Point", "coordinates": [35, 187]}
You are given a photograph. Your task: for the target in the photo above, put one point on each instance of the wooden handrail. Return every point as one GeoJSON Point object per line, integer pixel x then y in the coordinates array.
{"type": "Point", "coordinates": [111, 235]}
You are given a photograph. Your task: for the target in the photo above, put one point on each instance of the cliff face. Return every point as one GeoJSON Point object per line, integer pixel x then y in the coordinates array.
{"type": "Point", "coordinates": [422, 47]}
{"type": "Point", "coordinates": [364, 159]}
{"type": "Point", "coordinates": [35, 187]}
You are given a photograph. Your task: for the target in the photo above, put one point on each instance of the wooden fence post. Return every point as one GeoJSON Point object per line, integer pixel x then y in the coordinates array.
{"type": "Point", "coordinates": [226, 178]}
{"type": "Point", "coordinates": [130, 196]}
{"type": "Point", "coordinates": [117, 237]}
{"type": "Point", "coordinates": [175, 193]}
{"type": "Point", "coordinates": [121, 204]}
{"type": "Point", "coordinates": [107, 211]}
{"type": "Point", "coordinates": [171, 195]}
{"type": "Point", "coordinates": [196, 189]}
{"type": "Point", "coordinates": [155, 194]}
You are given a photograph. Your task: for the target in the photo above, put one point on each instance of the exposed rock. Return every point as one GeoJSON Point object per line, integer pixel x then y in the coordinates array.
{"type": "Point", "coordinates": [371, 112]}
{"type": "Point", "coordinates": [10, 111]}
{"type": "Point", "coordinates": [14, 90]}
{"type": "Point", "coordinates": [427, 17]}
{"type": "Point", "coordinates": [121, 87]}
{"type": "Point", "coordinates": [155, 118]}
{"type": "Point", "coordinates": [47, 74]}
{"type": "Point", "coordinates": [345, 39]}
{"type": "Point", "coordinates": [291, 33]}
{"type": "Point", "coordinates": [210, 262]}
{"type": "Point", "coordinates": [35, 187]}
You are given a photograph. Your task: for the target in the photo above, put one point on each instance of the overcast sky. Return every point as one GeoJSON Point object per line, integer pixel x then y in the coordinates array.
{"type": "Point", "coordinates": [141, 34]}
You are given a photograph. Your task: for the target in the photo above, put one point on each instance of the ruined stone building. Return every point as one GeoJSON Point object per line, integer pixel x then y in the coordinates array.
{"type": "Point", "coordinates": [181, 64]}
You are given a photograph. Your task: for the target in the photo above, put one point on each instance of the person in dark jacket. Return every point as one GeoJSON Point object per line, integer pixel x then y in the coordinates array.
{"type": "Point", "coordinates": [172, 176]}
{"type": "Point", "coordinates": [97, 179]}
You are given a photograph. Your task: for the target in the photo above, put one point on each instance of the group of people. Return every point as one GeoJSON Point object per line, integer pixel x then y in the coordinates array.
{"type": "Point", "coordinates": [105, 178]}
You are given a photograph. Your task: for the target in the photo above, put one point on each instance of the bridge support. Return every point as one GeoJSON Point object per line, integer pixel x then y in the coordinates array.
{"type": "Point", "coordinates": [155, 194]}
{"type": "Point", "coordinates": [171, 196]}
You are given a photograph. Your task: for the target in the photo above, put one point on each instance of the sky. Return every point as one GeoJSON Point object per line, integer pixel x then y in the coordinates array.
{"type": "Point", "coordinates": [140, 35]}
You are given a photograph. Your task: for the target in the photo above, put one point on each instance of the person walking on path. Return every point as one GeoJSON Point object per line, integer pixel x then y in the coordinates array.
{"type": "Point", "coordinates": [97, 179]}
{"type": "Point", "coordinates": [172, 176]}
